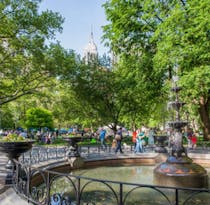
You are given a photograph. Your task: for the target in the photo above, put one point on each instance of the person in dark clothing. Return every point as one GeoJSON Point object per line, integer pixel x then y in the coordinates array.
{"type": "Point", "coordinates": [119, 138]}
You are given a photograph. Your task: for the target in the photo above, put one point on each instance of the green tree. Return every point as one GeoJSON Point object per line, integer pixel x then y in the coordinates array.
{"type": "Point", "coordinates": [70, 110]}
{"type": "Point", "coordinates": [38, 118]}
{"type": "Point", "coordinates": [7, 120]}
{"type": "Point", "coordinates": [96, 88]}
{"type": "Point", "coordinates": [168, 33]}
{"type": "Point", "coordinates": [183, 40]}
{"type": "Point", "coordinates": [109, 96]}
{"type": "Point", "coordinates": [26, 62]}
{"type": "Point", "coordinates": [129, 35]}
{"type": "Point", "coordinates": [90, 93]}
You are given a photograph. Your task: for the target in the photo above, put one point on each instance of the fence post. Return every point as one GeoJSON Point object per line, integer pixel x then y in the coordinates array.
{"type": "Point", "coordinates": [177, 197]}
{"type": "Point", "coordinates": [121, 194]}
{"type": "Point", "coordinates": [48, 188]}
{"type": "Point", "coordinates": [78, 191]}
{"type": "Point", "coordinates": [28, 183]}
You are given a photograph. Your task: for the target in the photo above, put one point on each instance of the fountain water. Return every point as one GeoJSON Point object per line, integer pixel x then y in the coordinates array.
{"type": "Point", "coordinates": [179, 170]}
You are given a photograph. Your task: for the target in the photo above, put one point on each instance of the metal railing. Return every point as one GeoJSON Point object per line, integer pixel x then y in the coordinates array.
{"type": "Point", "coordinates": [43, 154]}
{"type": "Point", "coordinates": [82, 190]}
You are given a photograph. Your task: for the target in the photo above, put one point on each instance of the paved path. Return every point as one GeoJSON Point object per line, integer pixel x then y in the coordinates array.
{"type": "Point", "coordinates": [3, 161]}
{"type": "Point", "coordinates": [9, 197]}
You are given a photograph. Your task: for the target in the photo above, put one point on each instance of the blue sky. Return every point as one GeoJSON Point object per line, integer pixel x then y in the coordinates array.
{"type": "Point", "coordinates": [79, 16]}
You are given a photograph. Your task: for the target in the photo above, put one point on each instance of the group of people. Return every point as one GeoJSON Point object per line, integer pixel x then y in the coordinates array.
{"type": "Point", "coordinates": [21, 133]}
{"type": "Point", "coordinates": [44, 137]}
{"type": "Point", "coordinates": [138, 138]}
{"type": "Point", "coordinates": [117, 141]}
{"type": "Point", "coordinates": [116, 144]}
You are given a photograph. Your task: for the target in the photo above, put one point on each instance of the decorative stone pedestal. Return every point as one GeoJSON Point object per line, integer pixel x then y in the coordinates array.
{"type": "Point", "coordinates": [73, 147]}
{"type": "Point", "coordinates": [180, 172]}
{"type": "Point", "coordinates": [73, 155]}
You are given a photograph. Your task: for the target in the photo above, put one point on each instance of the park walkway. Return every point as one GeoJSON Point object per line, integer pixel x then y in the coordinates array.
{"type": "Point", "coordinates": [9, 197]}
{"type": "Point", "coordinates": [3, 161]}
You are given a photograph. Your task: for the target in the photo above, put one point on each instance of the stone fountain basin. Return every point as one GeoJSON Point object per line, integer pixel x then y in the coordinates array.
{"type": "Point", "coordinates": [145, 159]}
{"type": "Point", "coordinates": [176, 105]}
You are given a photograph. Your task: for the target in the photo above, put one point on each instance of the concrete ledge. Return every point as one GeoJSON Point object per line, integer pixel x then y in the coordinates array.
{"type": "Point", "coordinates": [123, 160]}
{"type": "Point", "coordinates": [200, 158]}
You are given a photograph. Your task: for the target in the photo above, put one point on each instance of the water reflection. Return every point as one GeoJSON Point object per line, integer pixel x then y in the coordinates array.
{"type": "Point", "coordinates": [100, 193]}
{"type": "Point", "coordinates": [133, 174]}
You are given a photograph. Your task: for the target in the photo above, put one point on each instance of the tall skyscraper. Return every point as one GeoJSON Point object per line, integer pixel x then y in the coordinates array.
{"type": "Point", "coordinates": [90, 51]}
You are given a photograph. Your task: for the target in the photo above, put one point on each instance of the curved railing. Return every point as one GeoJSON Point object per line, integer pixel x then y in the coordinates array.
{"type": "Point", "coordinates": [42, 154]}
{"type": "Point", "coordinates": [82, 190]}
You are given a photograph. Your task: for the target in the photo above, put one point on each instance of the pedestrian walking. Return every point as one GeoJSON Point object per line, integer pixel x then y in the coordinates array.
{"type": "Point", "coordinates": [140, 142]}
{"type": "Point", "coordinates": [194, 141]}
{"type": "Point", "coordinates": [102, 137]}
{"type": "Point", "coordinates": [134, 136]}
{"type": "Point", "coordinates": [119, 138]}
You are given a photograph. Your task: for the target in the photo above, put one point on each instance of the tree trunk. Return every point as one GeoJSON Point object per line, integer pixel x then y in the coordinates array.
{"type": "Point", "coordinates": [204, 115]}
{"type": "Point", "coordinates": [113, 127]}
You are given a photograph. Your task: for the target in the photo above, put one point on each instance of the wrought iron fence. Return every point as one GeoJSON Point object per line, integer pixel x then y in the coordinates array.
{"type": "Point", "coordinates": [82, 190]}
{"type": "Point", "coordinates": [42, 154]}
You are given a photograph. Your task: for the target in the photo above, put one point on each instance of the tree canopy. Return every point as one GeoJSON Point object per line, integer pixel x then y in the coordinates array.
{"type": "Point", "coordinates": [183, 40]}
{"type": "Point", "coordinates": [166, 34]}
{"type": "Point", "coordinates": [148, 38]}
{"type": "Point", "coordinates": [24, 55]}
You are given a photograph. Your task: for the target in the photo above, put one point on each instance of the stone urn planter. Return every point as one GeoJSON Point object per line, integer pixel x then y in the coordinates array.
{"type": "Point", "coordinates": [73, 155]}
{"type": "Point", "coordinates": [73, 147]}
{"type": "Point", "coordinates": [13, 150]}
